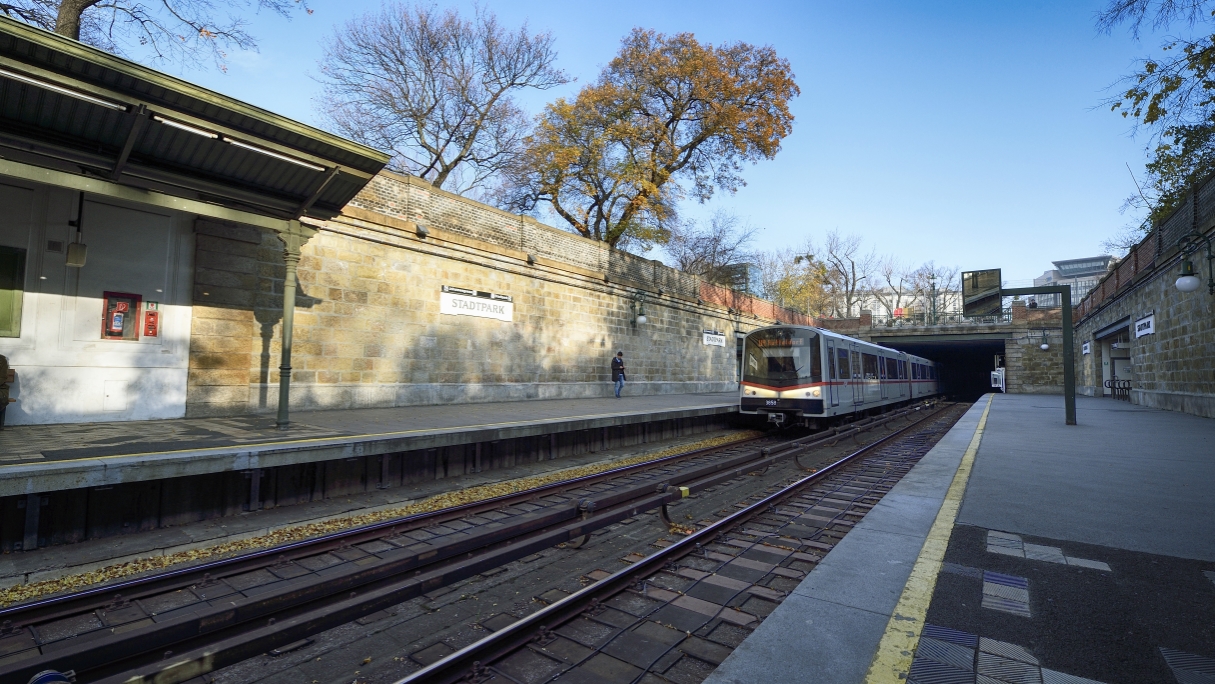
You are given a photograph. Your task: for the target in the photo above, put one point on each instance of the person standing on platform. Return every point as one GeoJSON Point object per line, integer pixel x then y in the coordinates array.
{"type": "Point", "coordinates": [618, 372]}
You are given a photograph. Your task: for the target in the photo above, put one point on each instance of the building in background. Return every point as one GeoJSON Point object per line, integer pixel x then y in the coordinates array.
{"type": "Point", "coordinates": [1082, 274]}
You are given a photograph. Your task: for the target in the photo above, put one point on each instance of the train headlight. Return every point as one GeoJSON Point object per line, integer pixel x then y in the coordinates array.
{"type": "Point", "coordinates": [749, 392]}
{"type": "Point", "coordinates": [815, 392]}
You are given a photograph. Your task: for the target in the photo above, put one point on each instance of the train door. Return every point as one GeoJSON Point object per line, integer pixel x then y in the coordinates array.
{"type": "Point", "coordinates": [903, 391]}
{"type": "Point", "coordinates": [833, 390]}
{"type": "Point", "coordinates": [857, 381]}
{"type": "Point", "coordinates": [871, 377]}
{"type": "Point", "coordinates": [843, 378]}
{"type": "Point", "coordinates": [883, 372]}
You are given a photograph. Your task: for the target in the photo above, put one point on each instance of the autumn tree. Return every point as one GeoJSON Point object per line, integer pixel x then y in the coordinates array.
{"type": "Point", "coordinates": [183, 31]}
{"type": "Point", "coordinates": [794, 278]}
{"type": "Point", "coordinates": [436, 89]}
{"type": "Point", "coordinates": [714, 249]}
{"type": "Point", "coordinates": [1171, 98]}
{"type": "Point", "coordinates": [669, 117]}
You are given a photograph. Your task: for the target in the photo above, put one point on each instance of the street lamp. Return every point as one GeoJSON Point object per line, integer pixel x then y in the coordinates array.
{"type": "Point", "coordinates": [932, 285]}
{"type": "Point", "coordinates": [638, 307]}
{"type": "Point", "coordinates": [1189, 281]}
{"type": "Point", "coordinates": [1045, 345]}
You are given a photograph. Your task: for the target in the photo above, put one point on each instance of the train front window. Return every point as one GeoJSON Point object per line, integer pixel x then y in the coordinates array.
{"type": "Point", "coordinates": [783, 357]}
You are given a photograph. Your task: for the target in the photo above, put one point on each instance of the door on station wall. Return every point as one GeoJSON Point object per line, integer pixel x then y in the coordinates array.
{"type": "Point", "coordinates": [833, 390]}
{"type": "Point", "coordinates": [857, 380]}
{"type": "Point", "coordinates": [1115, 360]}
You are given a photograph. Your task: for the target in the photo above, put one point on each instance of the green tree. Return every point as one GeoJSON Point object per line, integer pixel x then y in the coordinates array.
{"type": "Point", "coordinates": [183, 31]}
{"type": "Point", "coordinates": [1171, 98]}
{"type": "Point", "coordinates": [668, 117]}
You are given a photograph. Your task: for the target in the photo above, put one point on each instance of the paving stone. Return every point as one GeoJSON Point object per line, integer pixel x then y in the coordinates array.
{"type": "Point", "coordinates": [1006, 551]}
{"type": "Point", "coordinates": [1007, 650]}
{"type": "Point", "coordinates": [1006, 605]}
{"type": "Point", "coordinates": [526, 665]}
{"type": "Point", "coordinates": [944, 652]}
{"type": "Point", "coordinates": [1010, 593]}
{"type": "Point", "coordinates": [705, 650]}
{"type": "Point", "coordinates": [925, 671]}
{"type": "Point", "coordinates": [953, 636]}
{"type": "Point", "coordinates": [1052, 677]}
{"type": "Point", "coordinates": [1049, 554]}
{"type": "Point", "coordinates": [1006, 580]}
{"type": "Point", "coordinates": [1085, 563]}
{"type": "Point", "coordinates": [1008, 670]}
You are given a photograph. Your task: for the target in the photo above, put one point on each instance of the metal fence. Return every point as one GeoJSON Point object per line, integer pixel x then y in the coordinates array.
{"type": "Point", "coordinates": [923, 319]}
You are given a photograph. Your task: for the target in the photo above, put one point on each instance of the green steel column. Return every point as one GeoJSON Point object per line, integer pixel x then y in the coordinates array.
{"type": "Point", "coordinates": [293, 239]}
{"type": "Point", "coordinates": [1069, 358]}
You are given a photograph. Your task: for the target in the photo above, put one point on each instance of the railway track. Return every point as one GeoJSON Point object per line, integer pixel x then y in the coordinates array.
{"type": "Point", "coordinates": [681, 610]}
{"type": "Point", "coordinates": [179, 624]}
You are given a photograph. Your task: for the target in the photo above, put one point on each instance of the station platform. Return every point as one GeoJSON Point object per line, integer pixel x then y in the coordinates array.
{"type": "Point", "coordinates": [1020, 550]}
{"type": "Point", "coordinates": [40, 458]}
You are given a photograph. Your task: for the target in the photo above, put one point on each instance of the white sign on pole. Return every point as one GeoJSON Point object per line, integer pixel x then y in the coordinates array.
{"type": "Point", "coordinates": [472, 303]}
{"type": "Point", "coordinates": [1085, 348]}
{"type": "Point", "coordinates": [715, 339]}
{"type": "Point", "coordinates": [1145, 326]}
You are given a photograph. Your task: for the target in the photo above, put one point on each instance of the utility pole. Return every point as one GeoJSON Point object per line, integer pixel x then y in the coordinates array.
{"type": "Point", "coordinates": [932, 284]}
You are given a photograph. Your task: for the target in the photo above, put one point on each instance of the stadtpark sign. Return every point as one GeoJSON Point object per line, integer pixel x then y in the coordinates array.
{"type": "Point", "coordinates": [460, 301]}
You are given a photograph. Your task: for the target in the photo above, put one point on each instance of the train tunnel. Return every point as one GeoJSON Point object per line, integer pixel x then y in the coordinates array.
{"type": "Point", "coordinates": [966, 365]}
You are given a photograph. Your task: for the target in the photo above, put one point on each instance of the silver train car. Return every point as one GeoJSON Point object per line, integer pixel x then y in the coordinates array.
{"type": "Point", "coordinates": [799, 374]}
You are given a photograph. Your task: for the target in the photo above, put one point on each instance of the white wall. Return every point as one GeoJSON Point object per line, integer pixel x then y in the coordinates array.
{"type": "Point", "coordinates": [65, 371]}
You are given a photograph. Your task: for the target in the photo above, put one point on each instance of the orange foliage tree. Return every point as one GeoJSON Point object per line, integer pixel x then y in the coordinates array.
{"type": "Point", "coordinates": [668, 117]}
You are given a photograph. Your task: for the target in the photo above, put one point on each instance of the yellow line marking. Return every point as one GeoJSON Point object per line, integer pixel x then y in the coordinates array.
{"type": "Point", "coordinates": [892, 662]}
{"type": "Point", "coordinates": [341, 438]}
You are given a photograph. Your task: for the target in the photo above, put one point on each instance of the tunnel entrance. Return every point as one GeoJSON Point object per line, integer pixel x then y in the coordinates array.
{"type": "Point", "coordinates": [966, 365]}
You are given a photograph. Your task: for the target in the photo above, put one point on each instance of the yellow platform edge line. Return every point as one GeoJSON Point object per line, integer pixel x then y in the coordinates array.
{"type": "Point", "coordinates": [892, 662]}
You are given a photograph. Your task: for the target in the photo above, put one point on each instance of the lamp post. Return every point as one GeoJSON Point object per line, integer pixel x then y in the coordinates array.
{"type": "Point", "coordinates": [637, 305]}
{"type": "Point", "coordinates": [932, 285]}
{"type": "Point", "coordinates": [1189, 281]}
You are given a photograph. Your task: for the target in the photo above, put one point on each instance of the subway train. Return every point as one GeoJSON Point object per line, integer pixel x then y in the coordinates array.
{"type": "Point", "coordinates": [798, 374]}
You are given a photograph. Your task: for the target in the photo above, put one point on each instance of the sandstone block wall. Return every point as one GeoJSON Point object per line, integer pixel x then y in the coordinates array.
{"type": "Point", "coordinates": [368, 331]}
{"type": "Point", "coordinates": [1172, 369]}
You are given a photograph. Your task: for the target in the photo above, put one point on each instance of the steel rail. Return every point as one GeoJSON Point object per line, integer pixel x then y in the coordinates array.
{"type": "Point", "coordinates": [229, 637]}
{"type": "Point", "coordinates": [468, 662]}
{"type": "Point", "coordinates": [183, 577]}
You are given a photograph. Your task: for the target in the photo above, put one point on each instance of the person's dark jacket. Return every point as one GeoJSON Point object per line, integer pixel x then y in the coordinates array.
{"type": "Point", "coordinates": [618, 369]}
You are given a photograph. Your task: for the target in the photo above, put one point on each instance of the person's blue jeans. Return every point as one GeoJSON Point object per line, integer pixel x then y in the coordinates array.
{"type": "Point", "coordinates": [619, 386]}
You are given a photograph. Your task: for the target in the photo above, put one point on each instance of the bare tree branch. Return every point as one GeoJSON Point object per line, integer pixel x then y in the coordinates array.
{"type": "Point", "coordinates": [436, 89]}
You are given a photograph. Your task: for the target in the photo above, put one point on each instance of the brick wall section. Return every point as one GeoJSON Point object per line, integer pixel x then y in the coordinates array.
{"type": "Point", "coordinates": [368, 331]}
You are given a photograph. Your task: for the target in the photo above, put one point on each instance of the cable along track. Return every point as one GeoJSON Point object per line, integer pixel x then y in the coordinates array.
{"type": "Point", "coordinates": [680, 611]}
{"type": "Point", "coordinates": [176, 625]}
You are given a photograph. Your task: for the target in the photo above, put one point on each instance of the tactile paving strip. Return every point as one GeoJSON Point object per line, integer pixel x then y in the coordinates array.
{"type": "Point", "coordinates": [948, 656]}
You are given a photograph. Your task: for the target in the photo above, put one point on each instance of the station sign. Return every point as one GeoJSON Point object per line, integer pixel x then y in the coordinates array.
{"type": "Point", "coordinates": [460, 301]}
{"type": "Point", "coordinates": [981, 293]}
{"type": "Point", "coordinates": [1145, 326]}
{"type": "Point", "coordinates": [713, 338]}
{"type": "Point", "coordinates": [1086, 348]}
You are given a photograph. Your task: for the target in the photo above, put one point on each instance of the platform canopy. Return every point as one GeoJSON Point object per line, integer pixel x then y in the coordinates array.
{"type": "Point", "coordinates": [67, 108]}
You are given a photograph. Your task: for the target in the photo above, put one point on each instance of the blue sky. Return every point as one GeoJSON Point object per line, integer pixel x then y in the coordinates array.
{"type": "Point", "coordinates": [969, 133]}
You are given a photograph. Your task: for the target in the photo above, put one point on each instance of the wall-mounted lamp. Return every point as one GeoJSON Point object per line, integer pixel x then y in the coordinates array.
{"type": "Point", "coordinates": [637, 305]}
{"type": "Point", "coordinates": [1045, 344]}
{"type": "Point", "coordinates": [1188, 280]}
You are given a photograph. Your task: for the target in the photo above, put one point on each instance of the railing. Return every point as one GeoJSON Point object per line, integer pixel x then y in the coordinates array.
{"type": "Point", "coordinates": [926, 319]}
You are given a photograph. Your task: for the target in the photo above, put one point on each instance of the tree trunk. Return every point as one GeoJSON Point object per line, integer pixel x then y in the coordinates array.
{"type": "Point", "coordinates": [67, 22]}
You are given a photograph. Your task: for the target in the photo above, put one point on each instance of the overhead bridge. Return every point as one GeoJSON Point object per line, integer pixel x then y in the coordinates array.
{"type": "Point", "coordinates": [970, 349]}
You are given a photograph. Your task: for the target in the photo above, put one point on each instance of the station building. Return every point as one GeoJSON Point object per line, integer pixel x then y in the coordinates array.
{"type": "Point", "coordinates": [152, 230]}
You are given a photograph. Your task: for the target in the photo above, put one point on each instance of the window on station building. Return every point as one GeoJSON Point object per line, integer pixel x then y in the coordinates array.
{"type": "Point", "coordinates": [12, 290]}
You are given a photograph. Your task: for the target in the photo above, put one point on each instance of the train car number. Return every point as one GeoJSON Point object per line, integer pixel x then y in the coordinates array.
{"type": "Point", "coordinates": [770, 402]}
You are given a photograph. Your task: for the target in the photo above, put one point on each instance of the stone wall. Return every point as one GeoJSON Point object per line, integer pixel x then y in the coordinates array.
{"type": "Point", "coordinates": [368, 331]}
{"type": "Point", "coordinates": [1174, 368]}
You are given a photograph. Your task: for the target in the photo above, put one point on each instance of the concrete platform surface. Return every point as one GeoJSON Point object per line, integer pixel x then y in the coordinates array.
{"type": "Point", "coordinates": [36, 458]}
{"type": "Point", "coordinates": [1079, 555]}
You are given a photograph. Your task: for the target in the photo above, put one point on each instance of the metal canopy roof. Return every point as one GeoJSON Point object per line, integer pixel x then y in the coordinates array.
{"type": "Point", "coordinates": [73, 108]}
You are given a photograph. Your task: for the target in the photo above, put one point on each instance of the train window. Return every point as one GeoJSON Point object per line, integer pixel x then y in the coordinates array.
{"type": "Point", "coordinates": [783, 357]}
{"type": "Point", "coordinates": [915, 371]}
{"type": "Point", "coordinates": [892, 368]}
{"type": "Point", "coordinates": [902, 369]}
{"type": "Point", "coordinates": [844, 368]}
{"type": "Point", "coordinates": [869, 362]}
{"type": "Point", "coordinates": [831, 362]}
